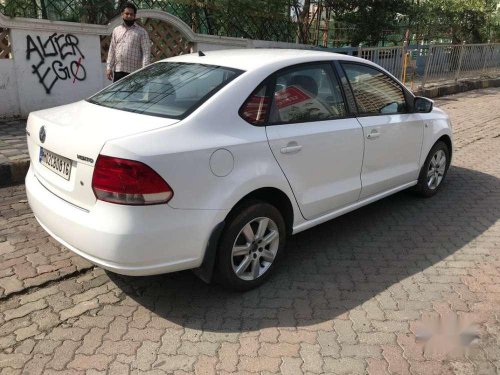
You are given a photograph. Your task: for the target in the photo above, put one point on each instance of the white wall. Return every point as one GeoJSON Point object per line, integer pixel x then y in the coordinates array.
{"type": "Point", "coordinates": [211, 43]}
{"type": "Point", "coordinates": [213, 46]}
{"type": "Point", "coordinates": [47, 71]}
{"type": "Point", "coordinates": [270, 44]}
{"type": "Point", "coordinates": [105, 81]}
{"type": "Point", "coordinates": [9, 101]}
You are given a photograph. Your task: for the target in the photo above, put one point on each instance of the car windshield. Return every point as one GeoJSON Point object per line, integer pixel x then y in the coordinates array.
{"type": "Point", "coordinates": [166, 89]}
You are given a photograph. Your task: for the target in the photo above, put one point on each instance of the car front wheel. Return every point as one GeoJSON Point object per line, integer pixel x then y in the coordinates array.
{"type": "Point", "coordinates": [250, 246]}
{"type": "Point", "coordinates": [434, 170]}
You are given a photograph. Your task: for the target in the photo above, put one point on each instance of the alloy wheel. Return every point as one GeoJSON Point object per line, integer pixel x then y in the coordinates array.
{"type": "Point", "coordinates": [255, 248]}
{"type": "Point", "coordinates": [437, 168]}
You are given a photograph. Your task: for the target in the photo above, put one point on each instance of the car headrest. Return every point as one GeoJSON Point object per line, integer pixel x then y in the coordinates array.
{"type": "Point", "coordinates": [306, 82]}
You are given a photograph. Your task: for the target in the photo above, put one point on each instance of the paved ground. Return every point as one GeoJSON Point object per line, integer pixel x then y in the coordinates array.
{"type": "Point", "coordinates": [14, 159]}
{"type": "Point", "coordinates": [402, 286]}
{"type": "Point", "coordinates": [13, 141]}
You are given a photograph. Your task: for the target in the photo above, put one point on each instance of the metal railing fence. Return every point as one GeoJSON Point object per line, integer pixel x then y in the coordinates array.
{"type": "Point", "coordinates": [390, 58]}
{"type": "Point", "coordinates": [425, 64]}
{"type": "Point", "coordinates": [455, 62]}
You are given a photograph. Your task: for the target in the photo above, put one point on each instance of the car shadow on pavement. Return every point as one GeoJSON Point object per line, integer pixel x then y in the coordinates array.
{"type": "Point", "coordinates": [337, 266]}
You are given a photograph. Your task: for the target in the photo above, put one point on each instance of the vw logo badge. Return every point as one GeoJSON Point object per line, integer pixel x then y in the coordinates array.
{"type": "Point", "coordinates": [42, 134]}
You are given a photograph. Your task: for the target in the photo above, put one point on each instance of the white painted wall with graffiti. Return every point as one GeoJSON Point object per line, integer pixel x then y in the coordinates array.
{"type": "Point", "coordinates": [55, 68]}
{"type": "Point", "coordinates": [44, 64]}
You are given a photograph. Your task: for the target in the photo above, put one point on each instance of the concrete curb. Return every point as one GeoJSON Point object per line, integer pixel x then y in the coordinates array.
{"type": "Point", "coordinates": [13, 173]}
{"type": "Point", "coordinates": [458, 87]}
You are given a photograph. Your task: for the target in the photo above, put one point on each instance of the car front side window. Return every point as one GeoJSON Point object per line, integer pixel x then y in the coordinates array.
{"type": "Point", "coordinates": [374, 91]}
{"type": "Point", "coordinates": [305, 94]}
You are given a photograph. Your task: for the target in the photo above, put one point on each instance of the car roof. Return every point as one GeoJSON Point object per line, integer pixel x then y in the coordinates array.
{"type": "Point", "coordinates": [251, 59]}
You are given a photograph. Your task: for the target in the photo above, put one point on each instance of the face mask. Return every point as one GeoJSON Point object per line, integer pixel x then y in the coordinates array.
{"type": "Point", "coordinates": [129, 22]}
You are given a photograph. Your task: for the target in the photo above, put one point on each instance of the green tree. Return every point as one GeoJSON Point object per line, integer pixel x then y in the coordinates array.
{"type": "Point", "coordinates": [468, 21]}
{"type": "Point", "coordinates": [21, 8]}
{"type": "Point", "coordinates": [495, 25]}
{"type": "Point", "coordinates": [371, 19]}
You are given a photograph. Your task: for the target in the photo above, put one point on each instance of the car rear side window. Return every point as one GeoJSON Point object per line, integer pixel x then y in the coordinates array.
{"type": "Point", "coordinates": [306, 93]}
{"type": "Point", "coordinates": [255, 108]}
{"type": "Point", "coordinates": [374, 91]}
{"type": "Point", "coordinates": [166, 89]}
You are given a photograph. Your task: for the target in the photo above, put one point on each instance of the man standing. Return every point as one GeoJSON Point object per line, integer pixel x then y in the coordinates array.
{"type": "Point", "coordinates": [130, 47]}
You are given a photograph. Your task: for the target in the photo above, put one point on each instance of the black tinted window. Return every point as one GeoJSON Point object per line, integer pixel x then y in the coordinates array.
{"type": "Point", "coordinates": [255, 108]}
{"type": "Point", "coordinates": [166, 89]}
{"type": "Point", "coordinates": [306, 94]}
{"type": "Point", "coordinates": [374, 91]}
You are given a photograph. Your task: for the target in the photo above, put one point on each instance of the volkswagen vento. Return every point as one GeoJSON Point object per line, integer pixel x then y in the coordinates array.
{"type": "Point", "coordinates": [210, 161]}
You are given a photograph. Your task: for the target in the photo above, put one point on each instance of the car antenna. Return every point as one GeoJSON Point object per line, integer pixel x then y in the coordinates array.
{"type": "Point", "coordinates": [200, 53]}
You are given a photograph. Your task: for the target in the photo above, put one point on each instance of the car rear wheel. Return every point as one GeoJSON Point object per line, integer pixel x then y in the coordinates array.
{"type": "Point", "coordinates": [251, 244]}
{"type": "Point", "coordinates": [434, 170]}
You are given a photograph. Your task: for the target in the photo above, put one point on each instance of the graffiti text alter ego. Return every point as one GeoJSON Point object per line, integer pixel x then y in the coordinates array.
{"type": "Point", "coordinates": [56, 48]}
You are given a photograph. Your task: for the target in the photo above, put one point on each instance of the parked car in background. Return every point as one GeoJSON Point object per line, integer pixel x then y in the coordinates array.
{"type": "Point", "coordinates": [210, 161]}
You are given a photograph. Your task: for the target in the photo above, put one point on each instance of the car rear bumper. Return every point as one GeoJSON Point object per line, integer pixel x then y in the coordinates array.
{"type": "Point", "coordinates": [129, 240]}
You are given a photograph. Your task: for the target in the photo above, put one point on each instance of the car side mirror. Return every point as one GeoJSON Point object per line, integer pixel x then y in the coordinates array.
{"type": "Point", "coordinates": [423, 105]}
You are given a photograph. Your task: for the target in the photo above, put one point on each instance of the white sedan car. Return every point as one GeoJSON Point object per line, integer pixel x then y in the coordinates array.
{"type": "Point", "coordinates": [210, 161]}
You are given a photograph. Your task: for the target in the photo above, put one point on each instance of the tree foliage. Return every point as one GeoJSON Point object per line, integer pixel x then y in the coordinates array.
{"type": "Point", "coordinates": [368, 21]}
{"type": "Point", "coordinates": [85, 11]}
{"type": "Point", "coordinates": [243, 18]}
{"type": "Point", "coordinates": [471, 21]}
{"type": "Point", "coordinates": [468, 21]}
{"type": "Point", "coordinates": [374, 19]}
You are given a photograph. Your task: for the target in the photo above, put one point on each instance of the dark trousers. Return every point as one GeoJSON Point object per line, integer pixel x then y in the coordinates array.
{"type": "Point", "coordinates": [119, 75]}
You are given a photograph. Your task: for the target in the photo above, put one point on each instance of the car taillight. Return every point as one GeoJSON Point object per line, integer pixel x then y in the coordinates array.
{"type": "Point", "coordinates": [128, 182]}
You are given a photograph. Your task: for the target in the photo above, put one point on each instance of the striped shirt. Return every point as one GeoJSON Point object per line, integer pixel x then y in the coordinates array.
{"type": "Point", "coordinates": [129, 50]}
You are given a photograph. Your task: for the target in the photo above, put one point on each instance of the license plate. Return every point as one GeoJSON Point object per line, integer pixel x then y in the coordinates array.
{"type": "Point", "coordinates": [56, 163]}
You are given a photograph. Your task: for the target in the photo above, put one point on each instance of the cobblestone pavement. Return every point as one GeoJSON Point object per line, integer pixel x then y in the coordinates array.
{"type": "Point", "coordinates": [403, 286]}
{"type": "Point", "coordinates": [14, 158]}
{"type": "Point", "coordinates": [13, 140]}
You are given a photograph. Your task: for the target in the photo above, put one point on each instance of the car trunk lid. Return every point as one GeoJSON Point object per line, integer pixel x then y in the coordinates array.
{"type": "Point", "coordinates": [73, 136]}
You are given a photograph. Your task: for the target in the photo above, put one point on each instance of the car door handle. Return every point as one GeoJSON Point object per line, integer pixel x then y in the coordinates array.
{"type": "Point", "coordinates": [373, 135]}
{"type": "Point", "coordinates": [291, 148]}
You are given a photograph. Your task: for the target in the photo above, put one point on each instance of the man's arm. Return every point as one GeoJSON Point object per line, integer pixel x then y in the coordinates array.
{"type": "Point", "coordinates": [146, 49]}
{"type": "Point", "coordinates": [110, 63]}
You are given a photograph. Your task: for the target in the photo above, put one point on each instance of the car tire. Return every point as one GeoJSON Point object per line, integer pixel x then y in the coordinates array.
{"type": "Point", "coordinates": [433, 170]}
{"type": "Point", "coordinates": [250, 246]}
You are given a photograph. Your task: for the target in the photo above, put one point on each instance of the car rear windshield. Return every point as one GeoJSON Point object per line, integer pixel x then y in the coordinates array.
{"type": "Point", "coordinates": [166, 89]}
